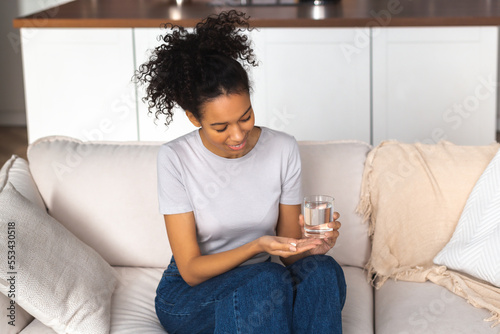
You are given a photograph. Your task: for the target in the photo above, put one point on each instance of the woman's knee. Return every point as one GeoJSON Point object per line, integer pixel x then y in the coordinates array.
{"type": "Point", "coordinates": [269, 274]}
{"type": "Point", "coordinates": [318, 267]}
{"type": "Point", "coordinates": [328, 265]}
{"type": "Point", "coordinates": [266, 295]}
{"type": "Point", "coordinates": [323, 270]}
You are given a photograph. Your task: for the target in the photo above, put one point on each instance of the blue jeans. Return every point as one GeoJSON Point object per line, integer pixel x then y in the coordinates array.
{"type": "Point", "coordinates": [305, 297]}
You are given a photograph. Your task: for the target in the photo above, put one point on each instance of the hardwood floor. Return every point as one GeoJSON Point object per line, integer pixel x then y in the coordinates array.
{"type": "Point", "coordinates": [13, 140]}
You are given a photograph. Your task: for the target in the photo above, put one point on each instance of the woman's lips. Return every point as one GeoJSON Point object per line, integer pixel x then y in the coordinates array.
{"type": "Point", "coordinates": [238, 147]}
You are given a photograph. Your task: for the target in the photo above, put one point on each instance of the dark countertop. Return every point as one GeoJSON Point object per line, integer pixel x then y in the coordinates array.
{"type": "Point", "coordinates": [344, 13]}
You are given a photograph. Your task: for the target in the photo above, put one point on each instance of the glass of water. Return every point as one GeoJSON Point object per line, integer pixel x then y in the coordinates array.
{"type": "Point", "coordinates": [318, 212]}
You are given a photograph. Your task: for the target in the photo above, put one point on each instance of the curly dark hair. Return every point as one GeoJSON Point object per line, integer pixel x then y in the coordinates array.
{"type": "Point", "coordinates": [189, 69]}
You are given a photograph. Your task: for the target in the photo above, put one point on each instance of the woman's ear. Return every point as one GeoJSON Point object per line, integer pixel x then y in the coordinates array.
{"type": "Point", "coordinates": [193, 119]}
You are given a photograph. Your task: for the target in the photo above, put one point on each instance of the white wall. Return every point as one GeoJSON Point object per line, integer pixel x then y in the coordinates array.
{"type": "Point", "coordinates": [27, 7]}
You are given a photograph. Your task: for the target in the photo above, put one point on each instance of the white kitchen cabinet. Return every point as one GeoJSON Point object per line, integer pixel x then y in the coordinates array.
{"type": "Point", "coordinates": [409, 84]}
{"type": "Point", "coordinates": [435, 83]}
{"type": "Point", "coordinates": [304, 85]}
{"type": "Point", "coordinates": [308, 86]}
{"type": "Point", "coordinates": [78, 83]}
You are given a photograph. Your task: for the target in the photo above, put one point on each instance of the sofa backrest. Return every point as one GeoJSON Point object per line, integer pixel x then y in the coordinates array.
{"type": "Point", "coordinates": [105, 193]}
{"type": "Point", "coordinates": [336, 168]}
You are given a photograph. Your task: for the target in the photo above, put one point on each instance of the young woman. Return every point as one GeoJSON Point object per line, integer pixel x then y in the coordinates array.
{"type": "Point", "coordinates": [230, 193]}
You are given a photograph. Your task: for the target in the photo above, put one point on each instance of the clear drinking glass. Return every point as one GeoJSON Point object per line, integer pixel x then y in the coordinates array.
{"type": "Point", "coordinates": [318, 212]}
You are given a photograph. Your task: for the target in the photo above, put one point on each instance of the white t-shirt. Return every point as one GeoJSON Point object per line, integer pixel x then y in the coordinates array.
{"type": "Point", "coordinates": [236, 200]}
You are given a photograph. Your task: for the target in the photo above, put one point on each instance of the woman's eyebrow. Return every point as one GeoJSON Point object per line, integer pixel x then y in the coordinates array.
{"type": "Point", "coordinates": [223, 123]}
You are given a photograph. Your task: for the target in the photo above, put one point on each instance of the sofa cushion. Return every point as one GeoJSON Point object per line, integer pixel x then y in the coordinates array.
{"type": "Point", "coordinates": [54, 276]}
{"type": "Point", "coordinates": [105, 193]}
{"type": "Point", "coordinates": [133, 311]}
{"type": "Point", "coordinates": [133, 304]}
{"type": "Point", "coordinates": [336, 169]}
{"type": "Point", "coordinates": [410, 307]}
{"type": "Point", "coordinates": [357, 315]}
{"type": "Point", "coordinates": [16, 172]}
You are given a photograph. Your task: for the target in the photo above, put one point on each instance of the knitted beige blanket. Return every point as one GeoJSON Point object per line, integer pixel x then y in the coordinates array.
{"type": "Point", "coordinates": [413, 196]}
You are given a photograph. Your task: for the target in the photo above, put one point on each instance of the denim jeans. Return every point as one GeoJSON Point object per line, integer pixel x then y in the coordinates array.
{"type": "Point", "coordinates": [305, 297]}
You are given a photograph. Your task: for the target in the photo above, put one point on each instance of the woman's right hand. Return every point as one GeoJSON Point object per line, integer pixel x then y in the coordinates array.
{"type": "Point", "coordinates": [285, 247]}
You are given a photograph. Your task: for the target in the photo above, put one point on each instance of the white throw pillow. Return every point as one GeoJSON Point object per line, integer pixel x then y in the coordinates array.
{"type": "Point", "coordinates": [474, 247]}
{"type": "Point", "coordinates": [55, 277]}
{"type": "Point", "coordinates": [16, 171]}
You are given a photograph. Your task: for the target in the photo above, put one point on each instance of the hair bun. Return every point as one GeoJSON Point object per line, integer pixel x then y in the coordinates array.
{"type": "Point", "coordinates": [224, 34]}
{"type": "Point", "coordinates": [191, 67]}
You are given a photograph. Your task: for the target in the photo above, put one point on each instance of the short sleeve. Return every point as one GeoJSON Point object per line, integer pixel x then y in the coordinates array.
{"type": "Point", "coordinates": [172, 194]}
{"type": "Point", "coordinates": [291, 188]}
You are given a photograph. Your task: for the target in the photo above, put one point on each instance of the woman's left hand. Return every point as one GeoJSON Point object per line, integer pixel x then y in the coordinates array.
{"type": "Point", "coordinates": [330, 237]}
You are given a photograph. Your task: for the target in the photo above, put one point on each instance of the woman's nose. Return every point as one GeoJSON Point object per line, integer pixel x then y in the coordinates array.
{"type": "Point", "coordinates": [236, 134]}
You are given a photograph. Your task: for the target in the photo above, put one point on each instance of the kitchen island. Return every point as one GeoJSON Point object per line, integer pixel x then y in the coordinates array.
{"type": "Point", "coordinates": [343, 13]}
{"type": "Point", "coordinates": [363, 70]}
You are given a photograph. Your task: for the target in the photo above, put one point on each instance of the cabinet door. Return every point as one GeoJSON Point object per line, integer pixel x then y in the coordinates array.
{"type": "Point", "coordinates": [313, 83]}
{"type": "Point", "coordinates": [435, 83]}
{"type": "Point", "coordinates": [78, 83]}
{"type": "Point", "coordinates": [150, 129]}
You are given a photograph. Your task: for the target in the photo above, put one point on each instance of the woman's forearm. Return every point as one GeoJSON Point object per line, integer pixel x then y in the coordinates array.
{"type": "Point", "coordinates": [201, 268]}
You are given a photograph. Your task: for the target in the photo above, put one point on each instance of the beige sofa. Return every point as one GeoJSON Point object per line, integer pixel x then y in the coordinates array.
{"type": "Point", "coordinates": [104, 193]}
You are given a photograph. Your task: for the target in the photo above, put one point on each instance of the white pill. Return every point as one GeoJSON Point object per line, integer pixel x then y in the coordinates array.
{"type": "Point", "coordinates": [293, 244]}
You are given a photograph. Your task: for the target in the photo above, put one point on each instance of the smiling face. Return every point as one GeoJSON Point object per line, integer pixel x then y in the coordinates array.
{"type": "Point", "coordinates": [227, 125]}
